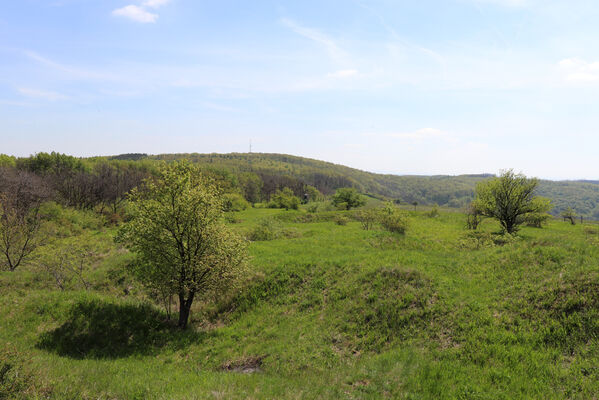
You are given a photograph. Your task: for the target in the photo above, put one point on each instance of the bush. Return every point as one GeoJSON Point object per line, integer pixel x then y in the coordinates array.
{"type": "Point", "coordinates": [267, 229]}
{"type": "Point", "coordinates": [284, 199]}
{"type": "Point", "coordinates": [234, 202]}
{"type": "Point", "coordinates": [367, 218]}
{"type": "Point", "coordinates": [537, 220]}
{"type": "Point", "coordinates": [394, 220]}
{"type": "Point", "coordinates": [434, 212]}
{"type": "Point", "coordinates": [341, 220]}
{"type": "Point", "coordinates": [347, 198]}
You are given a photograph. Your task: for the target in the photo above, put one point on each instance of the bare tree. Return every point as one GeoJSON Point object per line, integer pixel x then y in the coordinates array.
{"type": "Point", "coordinates": [21, 194]}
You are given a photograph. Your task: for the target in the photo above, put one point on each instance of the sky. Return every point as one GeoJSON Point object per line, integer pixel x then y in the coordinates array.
{"type": "Point", "coordinates": [393, 86]}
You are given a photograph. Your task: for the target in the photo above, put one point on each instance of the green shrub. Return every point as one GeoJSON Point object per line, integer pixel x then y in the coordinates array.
{"type": "Point", "coordinates": [284, 198]}
{"type": "Point", "coordinates": [341, 220]}
{"type": "Point", "coordinates": [367, 218]}
{"type": "Point", "coordinates": [394, 220]}
{"type": "Point", "coordinates": [537, 220]}
{"type": "Point", "coordinates": [234, 202]}
{"type": "Point", "coordinates": [231, 219]}
{"type": "Point", "coordinates": [347, 198]}
{"type": "Point", "coordinates": [266, 229]}
{"type": "Point", "coordinates": [434, 212]}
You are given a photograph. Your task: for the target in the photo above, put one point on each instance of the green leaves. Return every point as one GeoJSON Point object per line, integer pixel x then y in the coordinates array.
{"type": "Point", "coordinates": [509, 199]}
{"type": "Point", "coordinates": [176, 231]}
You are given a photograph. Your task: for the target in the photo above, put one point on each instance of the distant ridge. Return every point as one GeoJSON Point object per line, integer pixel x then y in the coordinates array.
{"type": "Point", "coordinates": [445, 190]}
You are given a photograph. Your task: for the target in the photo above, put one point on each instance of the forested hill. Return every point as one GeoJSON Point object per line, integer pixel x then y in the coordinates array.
{"type": "Point", "coordinates": [276, 170]}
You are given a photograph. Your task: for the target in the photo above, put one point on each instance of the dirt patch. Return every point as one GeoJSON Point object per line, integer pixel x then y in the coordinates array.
{"type": "Point", "coordinates": [246, 365]}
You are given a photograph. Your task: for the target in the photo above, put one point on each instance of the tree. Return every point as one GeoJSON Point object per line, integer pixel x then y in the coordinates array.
{"type": "Point", "coordinates": [21, 195]}
{"type": "Point", "coordinates": [285, 198]}
{"type": "Point", "coordinates": [176, 230]}
{"type": "Point", "coordinates": [311, 193]}
{"type": "Point", "coordinates": [348, 198]}
{"type": "Point", "coordinates": [473, 216]}
{"type": "Point", "coordinates": [541, 215]}
{"type": "Point", "coordinates": [570, 215]}
{"type": "Point", "coordinates": [508, 198]}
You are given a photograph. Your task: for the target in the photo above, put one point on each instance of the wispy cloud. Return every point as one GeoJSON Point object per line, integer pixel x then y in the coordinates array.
{"type": "Point", "coordinates": [335, 52]}
{"type": "Point", "coordinates": [72, 72]}
{"type": "Point", "coordinates": [140, 13]}
{"type": "Point", "coordinates": [41, 94]}
{"type": "Point", "coordinates": [136, 13]}
{"type": "Point", "coordinates": [576, 70]}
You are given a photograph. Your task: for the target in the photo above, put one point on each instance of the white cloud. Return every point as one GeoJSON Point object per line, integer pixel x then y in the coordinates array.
{"type": "Point", "coordinates": [576, 70]}
{"type": "Point", "coordinates": [344, 73]}
{"type": "Point", "coordinates": [41, 94]}
{"type": "Point", "coordinates": [136, 13]}
{"type": "Point", "coordinates": [335, 52]}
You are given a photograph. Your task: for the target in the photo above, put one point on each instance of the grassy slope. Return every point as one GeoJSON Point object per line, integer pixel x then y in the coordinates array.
{"type": "Point", "coordinates": [337, 312]}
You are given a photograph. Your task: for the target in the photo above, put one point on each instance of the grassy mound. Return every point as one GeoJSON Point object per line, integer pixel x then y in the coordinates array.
{"type": "Point", "coordinates": [389, 303]}
{"type": "Point", "coordinates": [567, 312]}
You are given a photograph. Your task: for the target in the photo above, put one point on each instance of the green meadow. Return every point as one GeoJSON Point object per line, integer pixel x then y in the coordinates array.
{"type": "Point", "coordinates": [327, 310]}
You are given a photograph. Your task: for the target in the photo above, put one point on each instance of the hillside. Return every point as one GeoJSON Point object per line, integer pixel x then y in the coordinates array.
{"type": "Point", "coordinates": [450, 191]}
{"type": "Point", "coordinates": [327, 311]}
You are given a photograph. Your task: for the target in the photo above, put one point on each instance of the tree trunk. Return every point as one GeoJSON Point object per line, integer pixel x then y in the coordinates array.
{"type": "Point", "coordinates": [184, 308]}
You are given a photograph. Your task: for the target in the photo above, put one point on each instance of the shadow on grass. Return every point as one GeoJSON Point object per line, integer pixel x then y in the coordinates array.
{"type": "Point", "coordinates": [98, 329]}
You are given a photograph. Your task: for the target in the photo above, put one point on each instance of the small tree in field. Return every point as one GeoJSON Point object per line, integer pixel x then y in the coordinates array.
{"type": "Point", "coordinates": [348, 198]}
{"type": "Point", "coordinates": [570, 215]}
{"type": "Point", "coordinates": [183, 248]}
{"type": "Point", "coordinates": [509, 198]}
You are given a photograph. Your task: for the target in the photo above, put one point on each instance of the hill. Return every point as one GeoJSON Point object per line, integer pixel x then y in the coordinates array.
{"type": "Point", "coordinates": [328, 310]}
{"type": "Point", "coordinates": [451, 191]}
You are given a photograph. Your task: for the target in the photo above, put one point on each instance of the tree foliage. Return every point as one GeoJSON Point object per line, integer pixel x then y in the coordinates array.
{"type": "Point", "coordinates": [348, 198]}
{"type": "Point", "coordinates": [509, 198]}
{"type": "Point", "coordinates": [182, 246]}
{"type": "Point", "coordinates": [285, 198]}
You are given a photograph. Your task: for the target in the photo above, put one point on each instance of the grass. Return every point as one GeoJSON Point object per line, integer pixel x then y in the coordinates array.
{"type": "Point", "coordinates": [331, 311]}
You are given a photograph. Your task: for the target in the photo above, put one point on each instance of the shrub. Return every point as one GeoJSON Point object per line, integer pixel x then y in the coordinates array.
{"type": "Point", "coordinates": [231, 219]}
{"type": "Point", "coordinates": [367, 218]}
{"type": "Point", "coordinates": [266, 229]}
{"type": "Point", "coordinates": [394, 220]}
{"type": "Point", "coordinates": [312, 208]}
{"type": "Point", "coordinates": [434, 212]}
{"type": "Point", "coordinates": [537, 220]}
{"type": "Point", "coordinates": [284, 198]}
{"type": "Point", "coordinates": [234, 202]}
{"type": "Point", "coordinates": [347, 198]}
{"type": "Point", "coordinates": [341, 220]}
{"type": "Point", "coordinates": [473, 217]}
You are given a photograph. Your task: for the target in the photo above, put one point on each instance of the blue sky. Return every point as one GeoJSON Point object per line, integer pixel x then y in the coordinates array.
{"type": "Point", "coordinates": [405, 87]}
